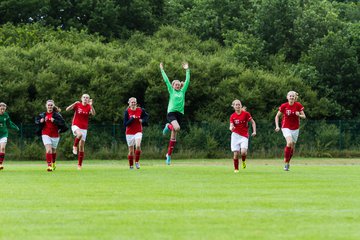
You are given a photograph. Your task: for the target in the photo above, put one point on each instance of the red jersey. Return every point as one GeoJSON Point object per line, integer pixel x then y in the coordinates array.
{"type": "Point", "coordinates": [240, 122]}
{"type": "Point", "coordinates": [50, 128]}
{"type": "Point", "coordinates": [135, 126]}
{"type": "Point", "coordinates": [81, 115]}
{"type": "Point", "coordinates": [289, 119]}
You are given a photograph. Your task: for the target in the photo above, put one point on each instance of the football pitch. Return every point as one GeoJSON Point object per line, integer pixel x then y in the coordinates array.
{"type": "Point", "coordinates": [192, 199]}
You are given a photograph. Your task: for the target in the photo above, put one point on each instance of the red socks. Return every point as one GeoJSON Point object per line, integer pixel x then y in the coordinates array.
{"type": "Point", "coordinates": [2, 158]}
{"type": "Point", "coordinates": [76, 142]}
{"type": "Point", "coordinates": [49, 158]}
{"type": "Point", "coordinates": [131, 160]}
{"type": "Point", "coordinates": [243, 157]}
{"type": "Point", "coordinates": [137, 155]}
{"type": "Point", "coordinates": [80, 158]}
{"type": "Point", "coordinates": [236, 164]}
{"type": "Point", "coordinates": [53, 157]}
{"type": "Point", "coordinates": [287, 154]}
{"type": "Point", "coordinates": [171, 146]}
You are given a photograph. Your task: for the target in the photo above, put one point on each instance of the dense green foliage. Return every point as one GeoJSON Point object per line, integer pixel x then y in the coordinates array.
{"type": "Point", "coordinates": [194, 199]}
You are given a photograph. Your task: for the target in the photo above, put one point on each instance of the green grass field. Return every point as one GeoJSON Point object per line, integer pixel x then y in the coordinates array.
{"type": "Point", "coordinates": [192, 199]}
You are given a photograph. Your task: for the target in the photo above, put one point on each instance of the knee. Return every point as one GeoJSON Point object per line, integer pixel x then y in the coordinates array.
{"type": "Point", "coordinates": [176, 128]}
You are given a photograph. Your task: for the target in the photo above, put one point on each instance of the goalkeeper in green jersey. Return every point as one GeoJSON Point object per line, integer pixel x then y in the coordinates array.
{"type": "Point", "coordinates": [175, 110]}
{"type": "Point", "coordinates": [5, 122]}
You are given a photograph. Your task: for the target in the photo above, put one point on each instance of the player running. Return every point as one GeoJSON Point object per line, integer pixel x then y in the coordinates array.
{"type": "Point", "coordinates": [240, 133]}
{"type": "Point", "coordinates": [50, 124]}
{"type": "Point", "coordinates": [80, 123]}
{"type": "Point", "coordinates": [134, 118]}
{"type": "Point", "coordinates": [5, 122]}
{"type": "Point", "coordinates": [291, 113]}
{"type": "Point", "coordinates": [175, 110]}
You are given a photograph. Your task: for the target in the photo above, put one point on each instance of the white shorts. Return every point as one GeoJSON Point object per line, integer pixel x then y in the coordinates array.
{"type": "Point", "coordinates": [50, 141]}
{"type": "Point", "coordinates": [130, 139]}
{"type": "Point", "coordinates": [294, 134]}
{"type": "Point", "coordinates": [3, 140]}
{"type": "Point", "coordinates": [238, 142]}
{"type": "Point", "coordinates": [83, 132]}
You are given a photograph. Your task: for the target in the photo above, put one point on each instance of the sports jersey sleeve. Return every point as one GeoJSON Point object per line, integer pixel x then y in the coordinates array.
{"type": "Point", "coordinates": [231, 119]}
{"type": "Point", "coordinates": [249, 117]}
{"type": "Point", "coordinates": [166, 80]}
{"type": "Point", "coordinates": [187, 80]}
{"type": "Point", "coordinates": [282, 108]}
{"type": "Point", "coordinates": [300, 107]}
{"type": "Point", "coordinates": [144, 116]}
{"type": "Point", "coordinates": [12, 125]}
{"type": "Point", "coordinates": [127, 119]}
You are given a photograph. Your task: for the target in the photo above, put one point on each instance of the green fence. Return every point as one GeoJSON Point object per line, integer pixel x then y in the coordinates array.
{"type": "Point", "coordinates": [196, 140]}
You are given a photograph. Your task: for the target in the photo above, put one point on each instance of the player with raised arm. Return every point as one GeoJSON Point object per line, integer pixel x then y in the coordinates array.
{"type": "Point", "coordinates": [175, 110]}
{"type": "Point", "coordinates": [80, 123]}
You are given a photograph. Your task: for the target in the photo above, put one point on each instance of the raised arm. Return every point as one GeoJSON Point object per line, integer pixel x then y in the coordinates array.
{"type": "Point", "coordinates": [187, 80]}
{"type": "Point", "coordinates": [165, 77]}
{"type": "Point", "coordinates": [71, 107]}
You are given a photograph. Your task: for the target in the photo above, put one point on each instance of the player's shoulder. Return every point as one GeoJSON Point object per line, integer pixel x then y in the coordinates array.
{"type": "Point", "coordinates": [299, 104]}
{"type": "Point", "coordinates": [285, 104]}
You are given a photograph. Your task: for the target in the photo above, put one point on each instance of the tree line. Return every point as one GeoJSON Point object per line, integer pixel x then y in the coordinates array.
{"type": "Point", "coordinates": [254, 50]}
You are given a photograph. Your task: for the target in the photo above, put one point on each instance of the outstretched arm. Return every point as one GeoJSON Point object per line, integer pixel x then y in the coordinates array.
{"type": "Point", "coordinates": [165, 77]}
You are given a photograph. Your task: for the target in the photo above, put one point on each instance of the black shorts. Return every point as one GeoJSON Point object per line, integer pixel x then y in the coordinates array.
{"type": "Point", "coordinates": [172, 116]}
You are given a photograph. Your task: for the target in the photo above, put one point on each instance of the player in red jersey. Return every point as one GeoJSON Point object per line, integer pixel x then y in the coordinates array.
{"type": "Point", "coordinates": [80, 123]}
{"type": "Point", "coordinates": [291, 113]}
{"type": "Point", "coordinates": [50, 123]}
{"type": "Point", "coordinates": [134, 118]}
{"type": "Point", "coordinates": [240, 133]}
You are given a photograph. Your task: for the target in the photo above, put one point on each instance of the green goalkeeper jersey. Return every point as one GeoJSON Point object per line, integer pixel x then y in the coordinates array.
{"type": "Point", "coordinates": [177, 97]}
{"type": "Point", "coordinates": [5, 122]}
